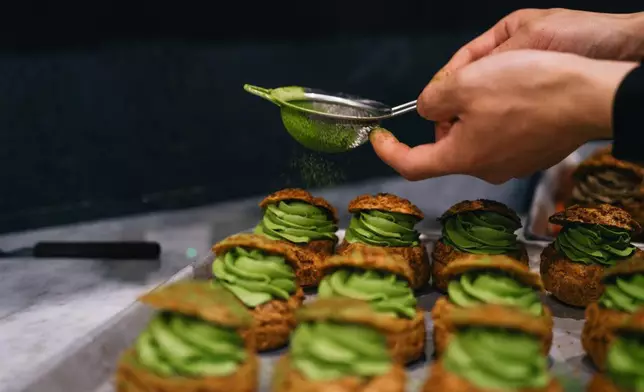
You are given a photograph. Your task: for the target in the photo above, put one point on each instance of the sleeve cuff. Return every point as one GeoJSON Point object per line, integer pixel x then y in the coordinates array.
{"type": "Point", "coordinates": [628, 113]}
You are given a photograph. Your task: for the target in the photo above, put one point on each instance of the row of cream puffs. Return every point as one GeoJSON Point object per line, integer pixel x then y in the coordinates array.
{"type": "Point", "coordinates": [592, 238]}
{"type": "Point", "coordinates": [202, 339]}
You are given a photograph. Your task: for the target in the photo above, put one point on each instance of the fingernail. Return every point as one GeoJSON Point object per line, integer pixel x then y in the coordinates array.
{"type": "Point", "coordinates": [380, 135]}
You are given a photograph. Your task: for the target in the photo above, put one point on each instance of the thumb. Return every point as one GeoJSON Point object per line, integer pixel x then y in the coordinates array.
{"type": "Point", "coordinates": [439, 101]}
{"type": "Point", "coordinates": [417, 163]}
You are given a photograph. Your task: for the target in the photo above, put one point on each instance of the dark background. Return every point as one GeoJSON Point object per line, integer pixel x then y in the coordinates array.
{"type": "Point", "coordinates": [109, 108]}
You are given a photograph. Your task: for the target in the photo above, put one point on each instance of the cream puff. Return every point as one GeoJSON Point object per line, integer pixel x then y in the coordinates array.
{"type": "Point", "coordinates": [195, 343]}
{"type": "Point", "coordinates": [602, 178]}
{"type": "Point", "coordinates": [477, 280]}
{"type": "Point", "coordinates": [262, 274]}
{"type": "Point", "coordinates": [623, 295]}
{"type": "Point", "coordinates": [384, 280]}
{"type": "Point", "coordinates": [591, 240]}
{"type": "Point", "coordinates": [337, 346]}
{"type": "Point", "coordinates": [476, 227]}
{"type": "Point", "coordinates": [624, 370]}
{"type": "Point", "coordinates": [387, 221]}
{"type": "Point", "coordinates": [494, 348]}
{"type": "Point", "coordinates": [311, 223]}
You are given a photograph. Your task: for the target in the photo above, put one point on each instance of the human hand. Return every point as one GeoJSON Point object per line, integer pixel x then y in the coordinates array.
{"type": "Point", "coordinates": [589, 34]}
{"type": "Point", "coordinates": [518, 112]}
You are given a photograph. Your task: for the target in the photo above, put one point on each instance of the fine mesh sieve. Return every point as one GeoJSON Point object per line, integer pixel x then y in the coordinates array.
{"type": "Point", "coordinates": [327, 122]}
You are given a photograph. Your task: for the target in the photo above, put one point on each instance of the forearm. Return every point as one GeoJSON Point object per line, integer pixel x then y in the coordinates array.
{"type": "Point", "coordinates": [628, 128]}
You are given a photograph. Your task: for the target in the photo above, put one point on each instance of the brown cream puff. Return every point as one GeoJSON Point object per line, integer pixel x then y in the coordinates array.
{"type": "Point", "coordinates": [602, 178]}
{"type": "Point", "coordinates": [591, 240]}
{"type": "Point", "coordinates": [384, 279]}
{"type": "Point", "coordinates": [262, 273]}
{"type": "Point", "coordinates": [623, 295]}
{"type": "Point", "coordinates": [624, 370]}
{"type": "Point", "coordinates": [194, 344]}
{"type": "Point", "coordinates": [476, 280]}
{"type": "Point", "coordinates": [387, 221]}
{"type": "Point", "coordinates": [337, 346]}
{"type": "Point", "coordinates": [494, 348]}
{"type": "Point", "coordinates": [476, 227]}
{"type": "Point", "coordinates": [296, 216]}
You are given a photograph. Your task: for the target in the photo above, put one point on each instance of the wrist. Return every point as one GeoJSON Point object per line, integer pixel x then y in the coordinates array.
{"type": "Point", "coordinates": [601, 80]}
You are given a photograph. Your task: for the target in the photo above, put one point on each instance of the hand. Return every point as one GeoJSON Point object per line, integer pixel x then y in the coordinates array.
{"type": "Point", "coordinates": [518, 112]}
{"type": "Point", "coordinates": [589, 34]}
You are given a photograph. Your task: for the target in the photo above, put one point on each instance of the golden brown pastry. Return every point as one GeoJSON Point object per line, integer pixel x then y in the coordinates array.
{"type": "Point", "coordinates": [623, 295]}
{"type": "Point", "coordinates": [296, 216]}
{"type": "Point", "coordinates": [476, 227]}
{"type": "Point", "coordinates": [193, 344]}
{"type": "Point", "coordinates": [592, 239]}
{"type": "Point", "coordinates": [262, 273]}
{"type": "Point", "coordinates": [602, 178]}
{"type": "Point", "coordinates": [624, 370]}
{"type": "Point", "coordinates": [494, 349]}
{"type": "Point", "coordinates": [476, 280]}
{"type": "Point", "coordinates": [337, 346]}
{"type": "Point", "coordinates": [383, 279]}
{"type": "Point", "coordinates": [387, 221]}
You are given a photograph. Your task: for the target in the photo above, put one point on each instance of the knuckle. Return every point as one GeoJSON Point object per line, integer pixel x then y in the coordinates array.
{"type": "Point", "coordinates": [520, 14]}
{"type": "Point", "coordinates": [409, 174]}
{"type": "Point", "coordinates": [531, 27]}
{"type": "Point", "coordinates": [526, 13]}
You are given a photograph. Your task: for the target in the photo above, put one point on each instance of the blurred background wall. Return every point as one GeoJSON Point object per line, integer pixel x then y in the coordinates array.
{"type": "Point", "coordinates": [109, 108]}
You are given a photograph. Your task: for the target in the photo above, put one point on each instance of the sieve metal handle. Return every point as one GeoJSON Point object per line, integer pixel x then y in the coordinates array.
{"type": "Point", "coordinates": [260, 92]}
{"type": "Point", "coordinates": [402, 109]}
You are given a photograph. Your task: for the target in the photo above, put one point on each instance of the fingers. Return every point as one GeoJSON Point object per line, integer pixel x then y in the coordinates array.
{"type": "Point", "coordinates": [417, 163]}
{"type": "Point", "coordinates": [477, 48]}
{"type": "Point", "coordinates": [487, 42]}
{"type": "Point", "coordinates": [440, 101]}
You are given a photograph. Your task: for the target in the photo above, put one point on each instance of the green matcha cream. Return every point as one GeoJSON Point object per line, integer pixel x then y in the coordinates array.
{"type": "Point", "coordinates": [492, 287]}
{"type": "Point", "coordinates": [497, 359]}
{"type": "Point", "coordinates": [324, 351]}
{"type": "Point", "coordinates": [178, 345]}
{"type": "Point", "coordinates": [594, 244]}
{"type": "Point", "coordinates": [481, 232]}
{"type": "Point", "coordinates": [254, 276]}
{"type": "Point", "coordinates": [297, 222]}
{"type": "Point", "coordinates": [624, 362]}
{"type": "Point", "coordinates": [385, 291]}
{"type": "Point", "coordinates": [383, 228]}
{"type": "Point", "coordinates": [624, 294]}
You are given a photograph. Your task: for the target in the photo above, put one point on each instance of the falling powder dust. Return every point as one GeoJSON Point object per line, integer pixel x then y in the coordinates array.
{"type": "Point", "coordinates": [316, 171]}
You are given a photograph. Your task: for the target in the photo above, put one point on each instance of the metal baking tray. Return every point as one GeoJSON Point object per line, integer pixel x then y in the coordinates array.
{"type": "Point", "coordinates": [90, 365]}
{"type": "Point", "coordinates": [555, 184]}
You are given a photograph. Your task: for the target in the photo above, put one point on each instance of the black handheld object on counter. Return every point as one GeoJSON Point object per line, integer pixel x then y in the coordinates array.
{"type": "Point", "coordinates": [121, 250]}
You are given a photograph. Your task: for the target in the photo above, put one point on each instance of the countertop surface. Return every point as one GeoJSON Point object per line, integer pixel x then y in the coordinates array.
{"type": "Point", "coordinates": [47, 304]}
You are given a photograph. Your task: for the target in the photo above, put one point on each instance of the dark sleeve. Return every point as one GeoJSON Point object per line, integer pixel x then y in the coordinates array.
{"type": "Point", "coordinates": [628, 116]}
